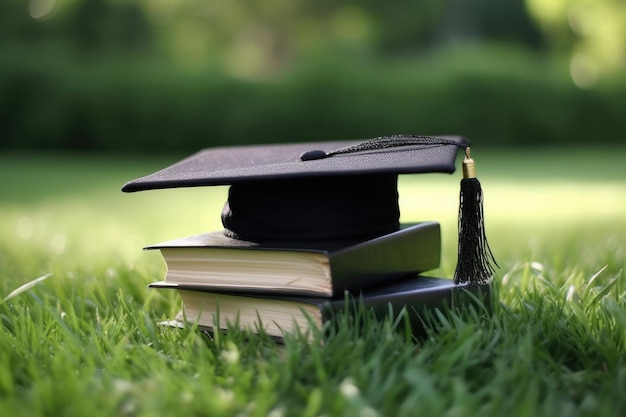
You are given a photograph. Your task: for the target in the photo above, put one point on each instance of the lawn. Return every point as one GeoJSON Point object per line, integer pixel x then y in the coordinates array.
{"type": "Point", "coordinates": [84, 340]}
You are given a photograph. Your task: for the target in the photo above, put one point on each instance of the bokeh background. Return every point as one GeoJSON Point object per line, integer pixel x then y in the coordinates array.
{"type": "Point", "coordinates": [178, 75]}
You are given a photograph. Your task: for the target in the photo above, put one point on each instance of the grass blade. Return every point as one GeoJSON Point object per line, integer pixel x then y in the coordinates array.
{"type": "Point", "coordinates": [26, 287]}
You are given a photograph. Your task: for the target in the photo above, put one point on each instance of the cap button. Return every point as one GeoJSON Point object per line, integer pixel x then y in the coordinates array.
{"type": "Point", "coordinates": [312, 155]}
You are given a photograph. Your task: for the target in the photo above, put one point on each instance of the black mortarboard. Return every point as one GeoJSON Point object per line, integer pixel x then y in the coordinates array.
{"type": "Point", "coordinates": [329, 190]}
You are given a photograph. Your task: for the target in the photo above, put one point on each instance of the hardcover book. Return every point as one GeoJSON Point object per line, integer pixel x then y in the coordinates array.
{"type": "Point", "coordinates": [277, 315]}
{"type": "Point", "coordinates": [324, 268]}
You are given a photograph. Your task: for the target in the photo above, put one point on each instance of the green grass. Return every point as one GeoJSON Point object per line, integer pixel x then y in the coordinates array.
{"type": "Point", "coordinates": [84, 341]}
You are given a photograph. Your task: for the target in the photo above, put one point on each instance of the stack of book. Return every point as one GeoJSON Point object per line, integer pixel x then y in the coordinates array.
{"type": "Point", "coordinates": [298, 244]}
{"type": "Point", "coordinates": [283, 286]}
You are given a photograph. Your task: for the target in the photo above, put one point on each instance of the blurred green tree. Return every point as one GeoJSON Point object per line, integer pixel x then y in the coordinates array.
{"type": "Point", "coordinates": [491, 20]}
{"type": "Point", "coordinates": [251, 37]}
{"type": "Point", "coordinates": [591, 32]}
{"type": "Point", "coordinates": [89, 26]}
{"type": "Point", "coordinates": [105, 25]}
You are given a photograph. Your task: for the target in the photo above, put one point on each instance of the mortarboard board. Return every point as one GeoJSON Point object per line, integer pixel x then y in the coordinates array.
{"type": "Point", "coordinates": [330, 190]}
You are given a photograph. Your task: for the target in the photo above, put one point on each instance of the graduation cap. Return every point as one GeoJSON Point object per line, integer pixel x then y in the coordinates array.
{"type": "Point", "coordinates": [331, 190]}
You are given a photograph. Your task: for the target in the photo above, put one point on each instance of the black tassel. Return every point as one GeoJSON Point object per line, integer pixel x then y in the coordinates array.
{"type": "Point", "coordinates": [475, 263]}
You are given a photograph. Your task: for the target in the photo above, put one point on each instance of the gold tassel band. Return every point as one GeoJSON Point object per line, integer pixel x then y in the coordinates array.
{"type": "Point", "coordinates": [469, 168]}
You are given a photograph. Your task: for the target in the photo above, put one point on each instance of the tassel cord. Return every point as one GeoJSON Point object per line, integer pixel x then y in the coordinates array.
{"type": "Point", "coordinates": [386, 142]}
